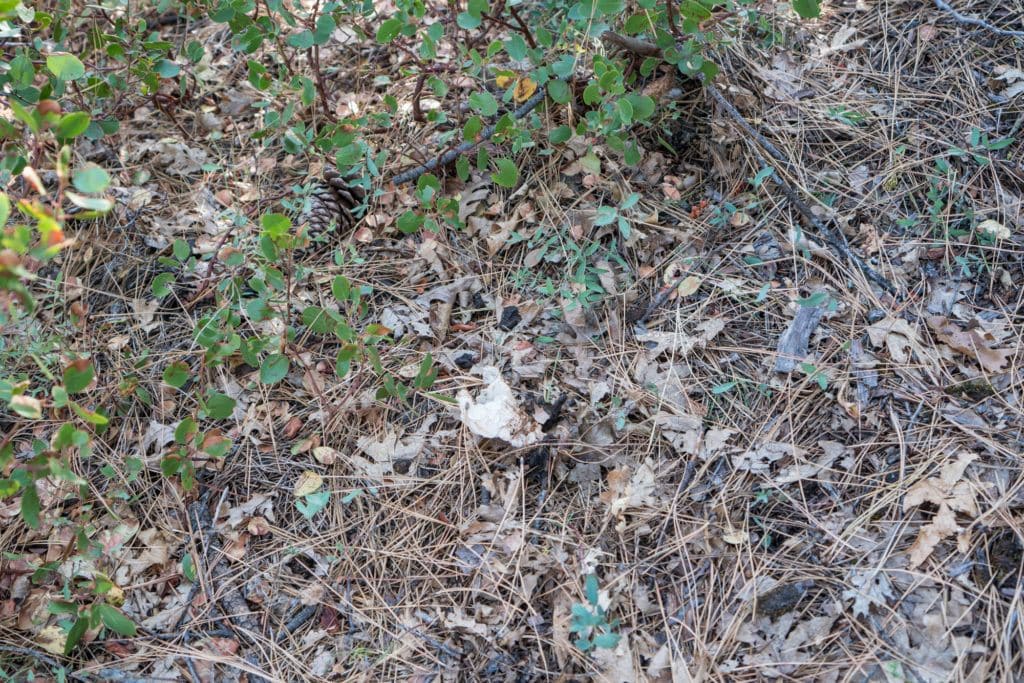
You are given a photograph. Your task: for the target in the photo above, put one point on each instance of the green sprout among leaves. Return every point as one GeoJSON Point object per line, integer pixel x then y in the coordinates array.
{"type": "Point", "coordinates": [591, 623]}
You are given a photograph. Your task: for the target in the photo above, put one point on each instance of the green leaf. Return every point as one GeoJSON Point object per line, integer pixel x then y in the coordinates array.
{"type": "Point", "coordinates": [167, 69]}
{"type": "Point", "coordinates": [472, 128]}
{"type": "Point", "coordinates": [181, 250]}
{"type": "Point", "coordinates": [325, 26]}
{"type": "Point", "coordinates": [93, 417]}
{"type": "Point", "coordinates": [317, 319]}
{"type": "Point", "coordinates": [219, 406]}
{"type": "Point", "coordinates": [75, 634]}
{"type": "Point", "coordinates": [559, 91]}
{"type": "Point", "coordinates": [115, 620]}
{"type": "Point", "coordinates": [184, 431]}
{"type": "Point", "coordinates": [65, 66]}
{"type": "Point", "coordinates": [643, 106]}
{"type": "Point", "coordinates": [77, 375]}
{"type": "Point", "coordinates": [5, 209]}
{"type": "Point", "coordinates": [98, 205]}
{"type": "Point", "coordinates": [409, 222]}
{"type": "Point", "coordinates": [188, 567]}
{"type": "Point", "coordinates": [313, 503]}
{"type": "Point", "coordinates": [274, 368]}
{"type": "Point", "coordinates": [607, 641]}
{"type": "Point", "coordinates": [176, 374]}
{"type": "Point", "coordinates": [591, 589]}
{"type": "Point", "coordinates": [389, 30]}
{"type": "Point", "coordinates": [507, 174]}
{"type": "Point", "coordinates": [341, 288]}
{"type": "Point", "coordinates": [694, 10]}
{"type": "Point", "coordinates": [807, 9]}
{"type": "Point", "coordinates": [724, 387]}
{"type": "Point", "coordinates": [91, 179]}
{"type": "Point", "coordinates": [467, 21]}
{"type": "Point", "coordinates": [30, 505]}
{"type": "Point", "coordinates": [484, 103]}
{"type": "Point", "coordinates": [276, 225]}
{"type": "Point", "coordinates": [559, 135]}
{"type": "Point", "coordinates": [71, 125]}
{"type": "Point", "coordinates": [161, 285]}
{"type": "Point", "coordinates": [303, 40]}
{"type": "Point", "coordinates": [194, 50]}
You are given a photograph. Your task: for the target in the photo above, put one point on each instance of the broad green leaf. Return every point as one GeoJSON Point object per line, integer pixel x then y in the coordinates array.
{"type": "Point", "coordinates": [484, 103]}
{"type": "Point", "coordinates": [303, 40]}
{"type": "Point", "coordinates": [559, 91]}
{"type": "Point", "coordinates": [807, 9]}
{"type": "Point", "coordinates": [274, 368]}
{"type": "Point", "coordinates": [115, 620]}
{"type": "Point", "coordinates": [507, 174]}
{"type": "Point", "coordinates": [409, 222]}
{"type": "Point", "coordinates": [275, 224]}
{"type": "Point", "coordinates": [65, 66]}
{"type": "Point", "coordinates": [71, 125]}
{"type": "Point", "coordinates": [176, 374]}
{"type": "Point", "coordinates": [389, 30]}
{"type": "Point", "coordinates": [219, 406]}
{"type": "Point", "coordinates": [161, 286]}
{"type": "Point", "coordinates": [30, 505]}
{"type": "Point", "coordinates": [317, 319]}
{"type": "Point", "coordinates": [188, 567]}
{"type": "Point", "coordinates": [91, 179]}
{"type": "Point", "coordinates": [77, 375]}
{"type": "Point", "coordinates": [75, 634]}
{"type": "Point", "coordinates": [167, 69]}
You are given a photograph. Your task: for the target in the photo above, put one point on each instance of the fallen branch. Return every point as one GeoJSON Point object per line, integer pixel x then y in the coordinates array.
{"type": "Point", "coordinates": [451, 155]}
{"type": "Point", "coordinates": [974, 21]}
{"type": "Point", "coordinates": [831, 238]}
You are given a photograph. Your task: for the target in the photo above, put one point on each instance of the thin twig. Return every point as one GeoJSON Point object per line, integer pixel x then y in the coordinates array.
{"type": "Point", "coordinates": [827, 234]}
{"type": "Point", "coordinates": [974, 21]}
{"type": "Point", "coordinates": [451, 155]}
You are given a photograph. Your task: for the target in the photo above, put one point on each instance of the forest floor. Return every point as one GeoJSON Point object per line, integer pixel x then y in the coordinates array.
{"type": "Point", "coordinates": [723, 444]}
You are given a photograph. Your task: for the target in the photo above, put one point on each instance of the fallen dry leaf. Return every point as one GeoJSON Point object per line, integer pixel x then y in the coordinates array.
{"type": "Point", "coordinates": [307, 483]}
{"type": "Point", "coordinates": [971, 342]}
{"type": "Point", "coordinates": [951, 495]}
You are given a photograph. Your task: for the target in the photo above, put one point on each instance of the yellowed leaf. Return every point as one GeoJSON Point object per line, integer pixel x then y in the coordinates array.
{"type": "Point", "coordinates": [525, 87]}
{"type": "Point", "coordinates": [994, 229]}
{"type": "Point", "coordinates": [52, 639]}
{"type": "Point", "coordinates": [308, 482]}
{"type": "Point", "coordinates": [688, 286]}
{"type": "Point", "coordinates": [503, 81]}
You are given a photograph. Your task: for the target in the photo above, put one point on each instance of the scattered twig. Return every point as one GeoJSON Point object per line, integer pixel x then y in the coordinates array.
{"type": "Point", "coordinates": [321, 88]}
{"type": "Point", "coordinates": [974, 21]}
{"type": "Point", "coordinates": [524, 28]}
{"type": "Point", "coordinates": [417, 109]}
{"type": "Point", "coordinates": [300, 618]}
{"type": "Point", "coordinates": [451, 155]}
{"type": "Point", "coordinates": [830, 237]}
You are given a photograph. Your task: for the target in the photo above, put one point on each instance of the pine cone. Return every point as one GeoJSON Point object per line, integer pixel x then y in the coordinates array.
{"type": "Point", "coordinates": [333, 202]}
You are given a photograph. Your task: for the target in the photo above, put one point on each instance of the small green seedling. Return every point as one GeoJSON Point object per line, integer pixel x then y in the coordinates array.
{"type": "Point", "coordinates": [591, 623]}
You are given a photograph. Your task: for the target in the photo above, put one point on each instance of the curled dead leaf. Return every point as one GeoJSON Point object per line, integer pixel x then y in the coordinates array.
{"type": "Point", "coordinates": [307, 483]}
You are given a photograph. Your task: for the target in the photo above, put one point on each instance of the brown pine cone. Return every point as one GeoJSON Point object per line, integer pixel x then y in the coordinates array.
{"type": "Point", "coordinates": [333, 202]}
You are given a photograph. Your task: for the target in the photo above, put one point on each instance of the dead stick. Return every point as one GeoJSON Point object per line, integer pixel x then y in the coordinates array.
{"type": "Point", "coordinates": [830, 237]}
{"type": "Point", "coordinates": [973, 21]}
{"type": "Point", "coordinates": [451, 155]}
